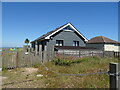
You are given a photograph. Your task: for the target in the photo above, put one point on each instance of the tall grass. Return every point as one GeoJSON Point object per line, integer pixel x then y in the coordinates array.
{"type": "Point", "coordinates": [53, 80]}
{"type": "Point", "coordinates": [86, 65]}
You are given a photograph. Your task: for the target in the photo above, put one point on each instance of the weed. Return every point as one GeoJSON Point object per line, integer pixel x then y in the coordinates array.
{"type": "Point", "coordinates": [36, 66]}
{"type": "Point", "coordinates": [65, 61]}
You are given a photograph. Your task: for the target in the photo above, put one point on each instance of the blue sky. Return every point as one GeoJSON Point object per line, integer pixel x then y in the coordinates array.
{"type": "Point", "coordinates": [30, 20]}
{"type": "Point", "coordinates": [1, 24]}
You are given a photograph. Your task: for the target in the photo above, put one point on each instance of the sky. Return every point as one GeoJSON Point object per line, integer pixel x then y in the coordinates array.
{"type": "Point", "coordinates": [0, 24]}
{"type": "Point", "coordinates": [30, 20]}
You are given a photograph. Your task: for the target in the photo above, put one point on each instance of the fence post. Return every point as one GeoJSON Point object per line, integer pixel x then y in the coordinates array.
{"type": "Point", "coordinates": [113, 78]}
{"type": "Point", "coordinates": [45, 54]}
{"type": "Point", "coordinates": [16, 59]}
{"type": "Point", "coordinates": [92, 54]}
{"type": "Point", "coordinates": [103, 53]}
{"type": "Point", "coordinates": [118, 55]}
{"type": "Point", "coordinates": [36, 47]}
{"type": "Point", "coordinates": [40, 52]}
{"type": "Point", "coordinates": [79, 54]}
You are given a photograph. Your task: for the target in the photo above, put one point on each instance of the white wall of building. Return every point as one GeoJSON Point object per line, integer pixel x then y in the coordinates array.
{"type": "Point", "coordinates": [111, 47]}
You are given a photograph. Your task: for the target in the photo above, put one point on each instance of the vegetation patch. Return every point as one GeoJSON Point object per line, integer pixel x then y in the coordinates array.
{"type": "Point", "coordinates": [41, 78]}
{"type": "Point", "coordinates": [66, 61]}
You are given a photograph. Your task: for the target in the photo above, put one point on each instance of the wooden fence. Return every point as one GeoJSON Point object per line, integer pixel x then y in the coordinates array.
{"type": "Point", "coordinates": [24, 59]}
{"type": "Point", "coordinates": [20, 59]}
{"type": "Point", "coordinates": [82, 53]}
{"type": "Point", "coordinates": [14, 59]}
{"type": "Point", "coordinates": [117, 54]}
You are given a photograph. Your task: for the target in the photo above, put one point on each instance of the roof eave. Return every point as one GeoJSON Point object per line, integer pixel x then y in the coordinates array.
{"type": "Point", "coordinates": [38, 40]}
{"type": "Point", "coordinates": [103, 43]}
{"type": "Point", "coordinates": [85, 39]}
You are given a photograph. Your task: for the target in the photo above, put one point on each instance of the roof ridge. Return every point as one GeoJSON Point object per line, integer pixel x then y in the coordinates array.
{"type": "Point", "coordinates": [44, 35]}
{"type": "Point", "coordinates": [103, 38]}
{"type": "Point", "coordinates": [108, 39]}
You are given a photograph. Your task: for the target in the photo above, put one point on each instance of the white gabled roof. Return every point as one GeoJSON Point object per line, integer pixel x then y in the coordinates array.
{"type": "Point", "coordinates": [68, 24]}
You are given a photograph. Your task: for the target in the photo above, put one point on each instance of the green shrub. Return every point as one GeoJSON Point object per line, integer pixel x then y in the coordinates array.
{"type": "Point", "coordinates": [96, 58]}
{"type": "Point", "coordinates": [3, 69]}
{"type": "Point", "coordinates": [36, 65]}
{"type": "Point", "coordinates": [77, 61]}
{"type": "Point", "coordinates": [59, 61]}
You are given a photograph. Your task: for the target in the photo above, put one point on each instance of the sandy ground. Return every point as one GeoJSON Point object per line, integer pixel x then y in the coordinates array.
{"type": "Point", "coordinates": [30, 70]}
{"type": "Point", "coordinates": [25, 72]}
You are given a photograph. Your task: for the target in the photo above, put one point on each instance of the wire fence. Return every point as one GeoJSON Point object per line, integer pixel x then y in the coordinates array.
{"type": "Point", "coordinates": [85, 74]}
{"type": "Point", "coordinates": [113, 74]}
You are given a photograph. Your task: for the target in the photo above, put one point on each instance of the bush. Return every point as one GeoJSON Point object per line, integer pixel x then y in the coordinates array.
{"type": "Point", "coordinates": [96, 58]}
{"type": "Point", "coordinates": [36, 66]}
{"type": "Point", "coordinates": [3, 69]}
{"type": "Point", "coordinates": [65, 61]}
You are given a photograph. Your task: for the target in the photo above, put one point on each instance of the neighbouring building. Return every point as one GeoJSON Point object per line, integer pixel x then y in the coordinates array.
{"type": "Point", "coordinates": [104, 43]}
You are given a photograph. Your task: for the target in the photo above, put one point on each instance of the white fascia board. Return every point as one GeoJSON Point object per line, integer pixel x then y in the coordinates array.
{"type": "Point", "coordinates": [78, 32]}
{"type": "Point", "coordinates": [48, 37]}
{"type": "Point", "coordinates": [66, 30]}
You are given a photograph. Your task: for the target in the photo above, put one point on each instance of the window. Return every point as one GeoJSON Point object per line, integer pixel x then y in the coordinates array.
{"type": "Point", "coordinates": [59, 42]}
{"type": "Point", "coordinates": [75, 43]}
{"type": "Point", "coordinates": [68, 28]}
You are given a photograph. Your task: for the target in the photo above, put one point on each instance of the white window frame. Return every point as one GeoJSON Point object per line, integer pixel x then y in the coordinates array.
{"type": "Point", "coordinates": [75, 43]}
{"type": "Point", "coordinates": [59, 42]}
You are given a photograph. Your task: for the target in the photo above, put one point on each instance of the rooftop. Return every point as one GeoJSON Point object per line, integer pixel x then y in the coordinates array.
{"type": "Point", "coordinates": [102, 39]}
{"type": "Point", "coordinates": [48, 34]}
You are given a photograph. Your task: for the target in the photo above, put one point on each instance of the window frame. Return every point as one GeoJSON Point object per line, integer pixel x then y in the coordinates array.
{"type": "Point", "coordinates": [59, 42]}
{"type": "Point", "coordinates": [76, 43]}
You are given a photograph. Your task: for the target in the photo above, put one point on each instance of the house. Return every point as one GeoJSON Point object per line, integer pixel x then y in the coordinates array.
{"type": "Point", "coordinates": [104, 43]}
{"type": "Point", "coordinates": [66, 35]}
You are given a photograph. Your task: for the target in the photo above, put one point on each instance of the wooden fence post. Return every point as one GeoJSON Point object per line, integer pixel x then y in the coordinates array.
{"type": "Point", "coordinates": [113, 77]}
{"type": "Point", "coordinates": [92, 54]}
{"type": "Point", "coordinates": [118, 55]}
{"type": "Point", "coordinates": [16, 59]}
{"type": "Point", "coordinates": [103, 54]}
{"type": "Point", "coordinates": [45, 54]}
{"type": "Point", "coordinates": [79, 54]}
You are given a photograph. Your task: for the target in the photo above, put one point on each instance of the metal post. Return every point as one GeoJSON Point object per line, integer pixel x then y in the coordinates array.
{"type": "Point", "coordinates": [113, 77]}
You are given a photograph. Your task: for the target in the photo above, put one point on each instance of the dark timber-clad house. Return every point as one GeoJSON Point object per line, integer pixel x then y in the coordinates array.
{"type": "Point", "coordinates": [64, 36]}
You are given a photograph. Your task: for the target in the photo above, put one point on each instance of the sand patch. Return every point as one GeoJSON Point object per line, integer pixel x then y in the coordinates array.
{"type": "Point", "coordinates": [31, 70]}
{"type": "Point", "coordinates": [2, 78]}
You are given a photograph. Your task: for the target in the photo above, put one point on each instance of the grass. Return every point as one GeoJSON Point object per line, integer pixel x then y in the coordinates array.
{"type": "Point", "coordinates": [52, 80]}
